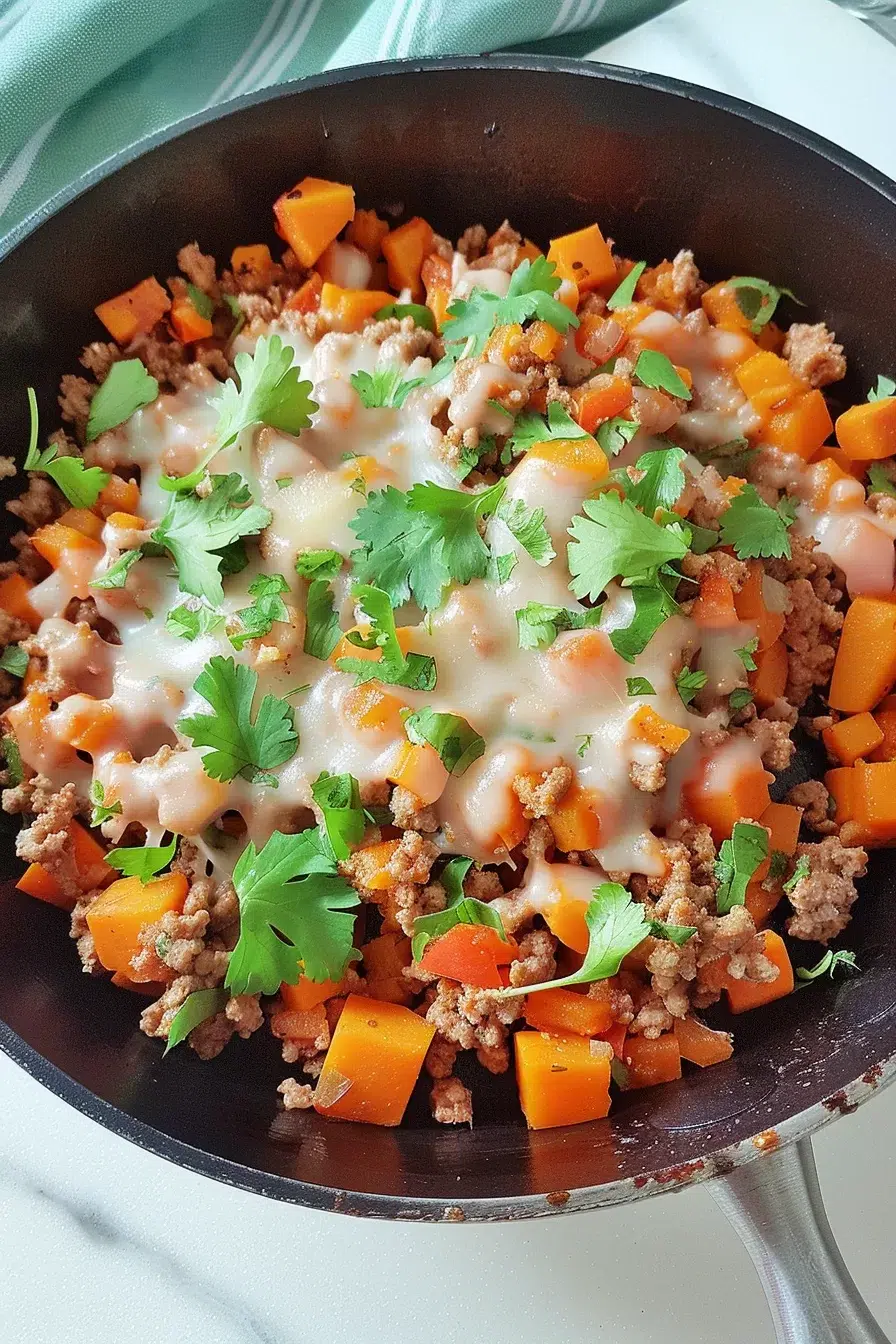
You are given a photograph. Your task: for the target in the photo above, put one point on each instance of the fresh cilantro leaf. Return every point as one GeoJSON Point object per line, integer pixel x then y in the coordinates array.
{"type": "Point", "coordinates": [531, 429]}
{"type": "Point", "coordinates": [143, 861]}
{"type": "Point", "coordinates": [745, 654]}
{"type": "Point", "coordinates": [386, 387]}
{"type": "Point", "coordinates": [239, 745]}
{"type": "Point", "coordinates": [500, 568]}
{"type": "Point", "coordinates": [754, 528]}
{"type": "Point", "coordinates": [421, 314]}
{"type": "Point", "coordinates": [127, 387]}
{"type": "Point", "coordinates": [191, 619]}
{"type": "Point", "coordinates": [800, 872]}
{"type": "Point", "coordinates": [615, 433]}
{"type": "Point", "coordinates": [625, 291]}
{"type": "Point", "coordinates": [879, 482]}
{"type": "Point", "coordinates": [270, 391]}
{"type": "Point", "coordinates": [527, 525]}
{"type": "Point", "coordinates": [457, 743]}
{"type": "Point", "coordinates": [739, 857]}
{"type": "Point", "coordinates": [616, 925]}
{"type": "Point", "coordinates": [679, 934]}
{"type": "Point", "coordinates": [654, 369]}
{"type": "Point", "coordinates": [13, 759]}
{"type": "Point", "coordinates": [654, 604]}
{"type": "Point", "coordinates": [663, 481]}
{"type": "Point", "coordinates": [318, 564]}
{"type": "Point", "coordinates": [339, 799]}
{"type": "Point", "coordinates": [830, 963]}
{"type": "Point", "coordinates": [460, 909]}
{"type": "Point", "coordinates": [196, 1008]}
{"type": "Point", "coordinates": [530, 294]}
{"type": "Point", "coordinates": [268, 607]}
{"type": "Point", "coordinates": [296, 915]}
{"type": "Point", "coordinates": [615, 539]}
{"type": "Point", "coordinates": [395, 667]}
{"type": "Point", "coordinates": [416, 543]}
{"type": "Point", "coordinates": [638, 686]}
{"type": "Point", "coordinates": [81, 485]}
{"type": "Point", "coordinates": [116, 576]}
{"type": "Point", "coordinates": [283, 481]}
{"type": "Point", "coordinates": [757, 299]}
{"type": "Point", "coordinates": [322, 629]}
{"type": "Point", "coordinates": [194, 529]}
{"type": "Point", "coordinates": [102, 810]}
{"type": "Point", "coordinates": [538, 625]}
{"type": "Point", "coordinates": [201, 302]}
{"type": "Point", "coordinates": [884, 387]}
{"type": "Point", "coordinates": [470, 458]}
{"type": "Point", "coordinates": [584, 744]}
{"type": "Point", "coordinates": [619, 1073]}
{"type": "Point", "coordinates": [239, 317]}
{"type": "Point", "coordinates": [688, 684]}
{"type": "Point", "coordinates": [739, 698]}
{"type": "Point", "coordinates": [14, 660]}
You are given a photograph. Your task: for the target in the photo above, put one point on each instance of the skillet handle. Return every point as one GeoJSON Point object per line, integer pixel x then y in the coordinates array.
{"type": "Point", "coordinates": [776, 1207]}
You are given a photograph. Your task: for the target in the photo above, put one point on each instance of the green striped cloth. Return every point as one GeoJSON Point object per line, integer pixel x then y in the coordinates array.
{"type": "Point", "coordinates": [80, 79]}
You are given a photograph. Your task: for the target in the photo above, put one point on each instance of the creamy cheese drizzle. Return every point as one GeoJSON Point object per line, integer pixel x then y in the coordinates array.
{"type": "Point", "coordinates": [534, 708]}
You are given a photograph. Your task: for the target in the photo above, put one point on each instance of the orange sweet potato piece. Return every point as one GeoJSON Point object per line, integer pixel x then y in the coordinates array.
{"type": "Point", "coordinates": [745, 994]}
{"type": "Point", "coordinates": [82, 520]}
{"type": "Point", "coordinates": [801, 427]}
{"type": "Point", "coordinates": [307, 994]}
{"type": "Point", "coordinates": [867, 432]}
{"type": "Point", "coordinates": [583, 455]}
{"type": "Point", "coordinates": [749, 604]}
{"type": "Point", "coordinates": [720, 800]}
{"type": "Point", "coordinates": [370, 709]}
{"type": "Point", "coordinates": [825, 473]}
{"type": "Point", "coordinates": [469, 953]}
{"type": "Point", "coordinates": [885, 718]}
{"type": "Point", "coordinates": [367, 231]}
{"type": "Point", "coordinates": [575, 823]}
{"type": "Point", "coordinates": [253, 262]}
{"type": "Point", "coordinates": [769, 681]}
{"type": "Point", "coordinates": [840, 784]}
{"type": "Point", "coordinates": [782, 821]}
{"type": "Point", "coordinates": [865, 666]}
{"type": "Point", "coordinates": [761, 902]}
{"type": "Point", "coordinates": [566, 921]}
{"type": "Point", "coordinates": [701, 1045]}
{"type": "Point", "coordinates": [713, 608]}
{"type": "Point", "coordinates": [187, 324]}
{"type": "Point", "coordinates": [503, 343]}
{"type": "Point", "coordinates": [767, 381]}
{"type": "Point", "coordinates": [55, 542]}
{"type": "Point", "coordinates": [88, 723]}
{"type": "Point", "coordinates": [853, 737]}
{"type": "Point", "coordinates": [373, 1062]}
{"type": "Point", "coordinates": [874, 798]}
{"type": "Point", "coordinates": [436, 276]}
{"type": "Point", "coordinates": [723, 310]}
{"type": "Point", "coordinates": [385, 959]}
{"type": "Point", "coordinates": [404, 249]}
{"type": "Point", "coordinates": [659, 732]}
{"type": "Point", "coordinates": [418, 767]}
{"type": "Point", "coordinates": [14, 592]}
{"type": "Point", "coordinates": [561, 1010]}
{"type": "Point", "coordinates": [594, 405]}
{"type": "Point", "coordinates": [651, 1062]}
{"type": "Point", "coordinates": [306, 299]}
{"type": "Point", "coordinates": [544, 340]}
{"type": "Point", "coordinates": [118, 495]}
{"type": "Point", "coordinates": [561, 1081]}
{"type": "Point", "coordinates": [134, 311]}
{"type": "Point", "coordinates": [371, 865]}
{"type": "Point", "coordinates": [312, 214]}
{"type": "Point", "coordinates": [36, 881]}
{"type": "Point", "coordinates": [584, 258]}
{"type": "Point", "coordinates": [116, 917]}
{"type": "Point", "coordinates": [349, 309]}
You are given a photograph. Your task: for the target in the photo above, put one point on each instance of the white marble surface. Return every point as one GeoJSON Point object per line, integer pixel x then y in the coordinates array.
{"type": "Point", "coordinates": [101, 1243]}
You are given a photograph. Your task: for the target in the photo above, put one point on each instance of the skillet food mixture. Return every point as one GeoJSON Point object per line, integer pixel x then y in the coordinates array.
{"type": "Point", "coordinates": [403, 639]}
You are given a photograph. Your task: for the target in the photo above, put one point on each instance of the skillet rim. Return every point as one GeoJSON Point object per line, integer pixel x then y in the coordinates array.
{"type": "Point", "coordinates": [878, 1074]}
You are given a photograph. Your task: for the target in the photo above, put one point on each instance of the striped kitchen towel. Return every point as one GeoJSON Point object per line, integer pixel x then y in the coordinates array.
{"type": "Point", "coordinates": [80, 79]}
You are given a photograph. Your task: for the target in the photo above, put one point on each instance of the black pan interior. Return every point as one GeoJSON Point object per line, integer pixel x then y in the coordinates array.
{"type": "Point", "coordinates": [553, 146]}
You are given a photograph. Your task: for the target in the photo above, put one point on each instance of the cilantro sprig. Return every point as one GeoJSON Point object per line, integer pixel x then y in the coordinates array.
{"type": "Point", "coordinates": [616, 925]}
{"type": "Point", "coordinates": [625, 291]}
{"type": "Point", "coordinates": [830, 963]}
{"type": "Point", "coordinates": [240, 743]}
{"type": "Point", "coordinates": [196, 1008]}
{"type": "Point", "coordinates": [539, 624]}
{"type": "Point", "coordinates": [801, 870]}
{"type": "Point", "coordinates": [394, 667]}
{"type": "Point", "coordinates": [530, 294]}
{"type": "Point", "coordinates": [654, 369]}
{"type": "Point", "coordinates": [196, 531]}
{"type": "Point", "coordinates": [884, 387]}
{"type": "Point", "coordinates": [322, 629]}
{"type": "Point", "coordinates": [754, 528]}
{"type": "Point", "coordinates": [269, 390]}
{"type": "Point", "coordinates": [757, 299]}
{"type": "Point", "coordinates": [258, 619]}
{"type": "Point", "coordinates": [127, 387]}
{"type": "Point", "coordinates": [662, 481]}
{"type": "Point", "coordinates": [613, 540]}
{"type": "Point", "coordinates": [192, 619]}
{"type": "Point", "coordinates": [739, 858]}
{"type": "Point", "coordinates": [296, 915]}
{"type": "Point", "coordinates": [614, 434]}
{"type": "Point", "coordinates": [143, 861]}
{"type": "Point", "coordinates": [384, 388]}
{"type": "Point", "coordinates": [318, 564]}
{"type": "Point", "coordinates": [689, 683]}
{"type": "Point", "coordinates": [80, 484]}
{"type": "Point", "coordinates": [339, 799]}
{"type": "Point", "coordinates": [101, 810]}
{"type": "Point", "coordinates": [530, 429]}
{"type": "Point", "coordinates": [457, 743]}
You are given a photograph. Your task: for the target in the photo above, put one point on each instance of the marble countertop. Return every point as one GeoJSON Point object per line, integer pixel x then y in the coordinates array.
{"type": "Point", "coordinates": [101, 1243]}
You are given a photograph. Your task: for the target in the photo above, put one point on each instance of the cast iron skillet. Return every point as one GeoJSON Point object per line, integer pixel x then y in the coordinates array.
{"type": "Point", "coordinates": [553, 145]}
